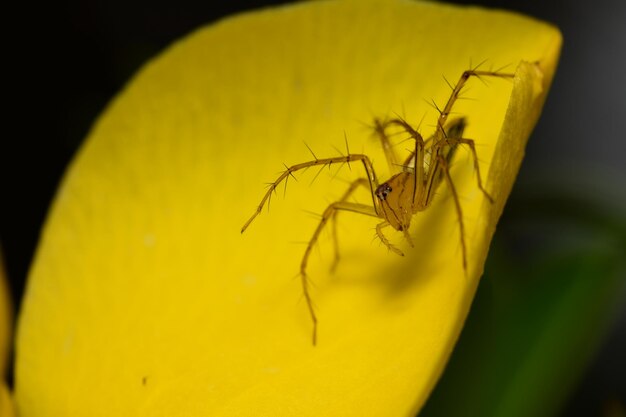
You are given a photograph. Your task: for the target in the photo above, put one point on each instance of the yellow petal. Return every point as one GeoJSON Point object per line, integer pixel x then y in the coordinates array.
{"type": "Point", "coordinates": [6, 318]}
{"type": "Point", "coordinates": [6, 403]}
{"type": "Point", "coordinates": [145, 299]}
{"type": "Point", "coordinates": [7, 407]}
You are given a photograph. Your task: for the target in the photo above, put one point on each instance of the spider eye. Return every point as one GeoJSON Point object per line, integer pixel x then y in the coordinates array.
{"type": "Point", "coordinates": [383, 191]}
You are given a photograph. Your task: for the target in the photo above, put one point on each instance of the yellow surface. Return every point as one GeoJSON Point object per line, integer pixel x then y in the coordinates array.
{"type": "Point", "coordinates": [6, 318]}
{"type": "Point", "coordinates": [145, 299]}
{"type": "Point", "coordinates": [6, 402]}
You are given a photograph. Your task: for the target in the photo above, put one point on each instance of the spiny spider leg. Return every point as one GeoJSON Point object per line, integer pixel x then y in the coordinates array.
{"type": "Point", "coordinates": [390, 155]}
{"type": "Point", "coordinates": [445, 112]}
{"type": "Point", "coordinates": [328, 214]}
{"type": "Point", "coordinates": [353, 186]}
{"type": "Point", "coordinates": [417, 155]}
{"type": "Point", "coordinates": [367, 164]}
{"type": "Point", "coordinates": [454, 130]}
{"type": "Point", "coordinates": [383, 238]}
{"type": "Point", "coordinates": [469, 142]}
{"type": "Point", "coordinates": [457, 204]}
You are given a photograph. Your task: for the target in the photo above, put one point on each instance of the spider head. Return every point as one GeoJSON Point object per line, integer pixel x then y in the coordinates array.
{"type": "Point", "coordinates": [396, 200]}
{"type": "Point", "coordinates": [383, 191]}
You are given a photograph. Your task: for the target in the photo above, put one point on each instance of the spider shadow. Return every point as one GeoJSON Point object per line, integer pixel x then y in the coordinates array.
{"type": "Point", "coordinates": [420, 264]}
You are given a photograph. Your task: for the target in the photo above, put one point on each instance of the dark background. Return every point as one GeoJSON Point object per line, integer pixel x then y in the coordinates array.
{"type": "Point", "coordinates": [65, 60]}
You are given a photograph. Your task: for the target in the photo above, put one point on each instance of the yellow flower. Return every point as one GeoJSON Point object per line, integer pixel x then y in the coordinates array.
{"type": "Point", "coordinates": [145, 299]}
{"type": "Point", "coordinates": [6, 403]}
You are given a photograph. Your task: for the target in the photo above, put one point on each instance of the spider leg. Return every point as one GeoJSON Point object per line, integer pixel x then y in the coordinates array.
{"type": "Point", "coordinates": [327, 215]}
{"type": "Point", "coordinates": [417, 156]}
{"type": "Point", "coordinates": [353, 186]}
{"type": "Point", "coordinates": [445, 112]}
{"type": "Point", "coordinates": [390, 155]}
{"type": "Point", "coordinates": [454, 129]}
{"type": "Point", "coordinates": [444, 168]}
{"type": "Point", "coordinates": [367, 164]}
{"type": "Point", "coordinates": [383, 238]}
{"type": "Point", "coordinates": [470, 144]}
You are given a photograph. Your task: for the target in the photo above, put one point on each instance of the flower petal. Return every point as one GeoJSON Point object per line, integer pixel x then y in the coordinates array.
{"type": "Point", "coordinates": [6, 318]}
{"type": "Point", "coordinates": [6, 403]}
{"type": "Point", "coordinates": [145, 299]}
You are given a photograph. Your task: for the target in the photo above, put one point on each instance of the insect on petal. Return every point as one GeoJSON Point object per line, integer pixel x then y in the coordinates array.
{"type": "Point", "coordinates": [145, 299]}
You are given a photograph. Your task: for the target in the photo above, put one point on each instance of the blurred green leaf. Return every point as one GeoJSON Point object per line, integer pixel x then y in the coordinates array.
{"type": "Point", "coordinates": [553, 281]}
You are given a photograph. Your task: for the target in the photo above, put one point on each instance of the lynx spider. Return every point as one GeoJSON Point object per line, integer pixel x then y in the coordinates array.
{"type": "Point", "coordinates": [407, 192]}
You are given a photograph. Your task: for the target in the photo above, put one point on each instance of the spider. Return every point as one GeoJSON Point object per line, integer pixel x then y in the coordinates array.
{"type": "Point", "coordinates": [407, 192]}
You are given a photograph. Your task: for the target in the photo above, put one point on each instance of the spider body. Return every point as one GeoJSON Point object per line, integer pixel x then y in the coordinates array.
{"type": "Point", "coordinates": [405, 193]}
{"type": "Point", "coordinates": [409, 190]}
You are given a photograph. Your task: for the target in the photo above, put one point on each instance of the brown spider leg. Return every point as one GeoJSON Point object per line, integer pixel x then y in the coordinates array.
{"type": "Point", "coordinates": [383, 238]}
{"type": "Point", "coordinates": [407, 236]}
{"type": "Point", "coordinates": [355, 184]}
{"type": "Point", "coordinates": [470, 143]}
{"type": "Point", "coordinates": [367, 164]}
{"type": "Point", "coordinates": [418, 159]}
{"type": "Point", "coordinates": [328, 213]}
{"type": "Point", "coordinates": [454, 129]}
{"type": "Point", "coordinates": [390, 155]}
{"type": "Point", "coordinates": [443, 164]}
{"type": "Point", "coordinates": [445, 112]}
